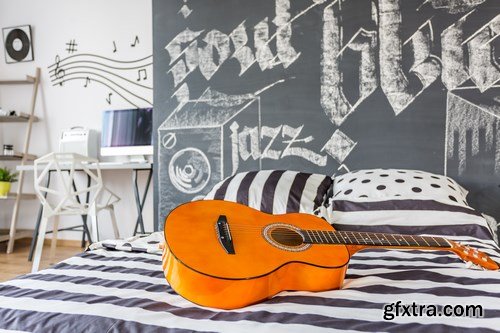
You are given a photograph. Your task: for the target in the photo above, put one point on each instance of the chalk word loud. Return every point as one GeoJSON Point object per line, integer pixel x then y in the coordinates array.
{"type": "Point", "coordinates": [380, 55]}
{"type": "Point", "coordinates": [217, 49]}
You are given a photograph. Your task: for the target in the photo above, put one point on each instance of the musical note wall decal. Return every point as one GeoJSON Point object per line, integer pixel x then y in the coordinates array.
{"type": "Point", "coordinates": [71, 46]}
{"type": "Point", "coordinates": [87, 81]}
{"type": "Point", "coordinates": [145, 74]}
{"type": "Point", "coordinates": [136, 41]}
{"type": "Point", "coordinates": [59, 72]}
{"type": "Point", "coordinates": [108, 99]}
{"type": "Point", "coordinates": [114, 47]}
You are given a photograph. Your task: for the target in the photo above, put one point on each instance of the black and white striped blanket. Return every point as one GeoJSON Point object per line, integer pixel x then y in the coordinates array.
{"type": "Point", "coordinates": [109, 290]}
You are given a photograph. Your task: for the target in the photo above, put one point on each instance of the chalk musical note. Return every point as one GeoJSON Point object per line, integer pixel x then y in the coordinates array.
{"type": "Point", "coordinates": [108, 99]}
{"type": "Point", "coordinates": [59, 72]}
{"type": "Point", "coordinates": [145, 74]}
{"type": "Point", "coordinates": [114, 45]}
{"type": "Point", "coordinates": [343, 166]}
{"type": "Point", "coordinates": [136, 40]}
{"type": "Point", "coordinates": [87, 81]}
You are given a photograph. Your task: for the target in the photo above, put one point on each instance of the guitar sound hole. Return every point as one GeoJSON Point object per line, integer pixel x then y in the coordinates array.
{"type": "Point", "coordinates": [286, 237]}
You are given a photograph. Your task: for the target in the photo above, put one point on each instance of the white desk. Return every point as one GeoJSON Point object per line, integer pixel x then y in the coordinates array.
{"type": "Point", "coordinates": [139, 202]}
{"type": "Point", "coordinates": [102, 166]}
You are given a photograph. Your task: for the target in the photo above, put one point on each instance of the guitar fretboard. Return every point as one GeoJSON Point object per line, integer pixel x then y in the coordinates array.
{"type": "Point", "coordinates": [372, 239]}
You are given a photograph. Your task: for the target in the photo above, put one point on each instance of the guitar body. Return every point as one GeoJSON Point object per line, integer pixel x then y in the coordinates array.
{"type": "Point", "coordinates": [225, 255]}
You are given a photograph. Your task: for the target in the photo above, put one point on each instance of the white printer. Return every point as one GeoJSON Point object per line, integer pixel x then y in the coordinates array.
{"type": "Point", "coordinates": [79, 140]}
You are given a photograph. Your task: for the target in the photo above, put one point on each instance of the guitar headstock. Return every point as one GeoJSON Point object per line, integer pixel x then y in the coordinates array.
{"type": "Point", "coordinates": [474, 256]}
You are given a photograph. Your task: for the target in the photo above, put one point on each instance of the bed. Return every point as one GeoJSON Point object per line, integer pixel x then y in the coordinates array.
{"type": "Point", "coordinates": [118, 285]}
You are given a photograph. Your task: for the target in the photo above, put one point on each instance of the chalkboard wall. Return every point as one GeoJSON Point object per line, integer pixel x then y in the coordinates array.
{"type": "Point", "coordinates": [325, 86]}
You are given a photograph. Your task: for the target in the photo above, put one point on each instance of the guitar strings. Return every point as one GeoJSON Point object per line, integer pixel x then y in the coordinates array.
{"type": "Point", "coordinates": [343, 234]}
{"type": "Point", "coordinates": [344, 239]}
{"type": "Point", "coordinates": [348, 234]}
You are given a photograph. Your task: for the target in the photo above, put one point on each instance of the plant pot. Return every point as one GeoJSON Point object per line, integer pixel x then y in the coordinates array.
{"type": "Point", "coordinates": [4, 189]}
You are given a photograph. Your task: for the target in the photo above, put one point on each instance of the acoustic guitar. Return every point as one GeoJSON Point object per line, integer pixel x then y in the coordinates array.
{"type": "Point", "coordinates": [226, 255]}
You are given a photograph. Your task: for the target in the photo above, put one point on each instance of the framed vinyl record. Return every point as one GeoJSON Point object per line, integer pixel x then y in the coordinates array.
{"type": "Point", "coordinates": [18, 44]}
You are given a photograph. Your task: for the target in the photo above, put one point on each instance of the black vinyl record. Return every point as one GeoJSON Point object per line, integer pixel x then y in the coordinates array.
{"type": "Point", "coordinates": [17, 44]}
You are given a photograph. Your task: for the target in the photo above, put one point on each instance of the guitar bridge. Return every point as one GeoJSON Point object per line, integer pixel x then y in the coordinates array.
{"type": "Point", "coordinates": [224, 234]}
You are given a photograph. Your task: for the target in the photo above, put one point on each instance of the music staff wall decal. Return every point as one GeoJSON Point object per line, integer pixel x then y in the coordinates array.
{"type": "Point", "coordinates": [127, 79]}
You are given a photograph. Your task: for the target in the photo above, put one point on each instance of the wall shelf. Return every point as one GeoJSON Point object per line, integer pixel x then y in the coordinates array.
{"type": "Point", "coordinates": [18, 157]}
{"type": "Point", "coordinates": [21, 157]}
{"type": "Point", "coordinates": [22, 118]}
{"type": "Point", "coordinates": [19, 234]}
{"type": "Point", "coordinates": [28, 80]}
{"type": "Point", "coordinates": [26, 196]}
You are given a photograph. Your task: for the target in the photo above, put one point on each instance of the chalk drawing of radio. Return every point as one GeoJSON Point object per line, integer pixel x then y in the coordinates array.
{"type": "Point", "coordinates": [196, 148]}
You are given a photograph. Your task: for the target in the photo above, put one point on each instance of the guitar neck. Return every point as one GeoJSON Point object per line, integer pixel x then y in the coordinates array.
{"type": "Point", "coordinates": [371, 239]}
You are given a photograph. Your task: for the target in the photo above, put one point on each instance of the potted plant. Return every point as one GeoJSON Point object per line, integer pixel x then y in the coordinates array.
{"type": "Point", "coordinates": [6, 178]}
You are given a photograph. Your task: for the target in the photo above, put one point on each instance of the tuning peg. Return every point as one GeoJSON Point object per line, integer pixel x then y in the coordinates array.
{"type": "Point", "coordinates": [471, 265]}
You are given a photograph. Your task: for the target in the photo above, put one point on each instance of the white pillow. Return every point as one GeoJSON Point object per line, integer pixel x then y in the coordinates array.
{"type": "Point", "coordinates": [392, 184]}
{"type": "Point", "coordinates": [403, 201]}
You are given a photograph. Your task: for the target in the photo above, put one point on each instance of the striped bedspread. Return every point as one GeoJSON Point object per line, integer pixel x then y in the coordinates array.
{"type": "Point", "coordinates": [110, 290]}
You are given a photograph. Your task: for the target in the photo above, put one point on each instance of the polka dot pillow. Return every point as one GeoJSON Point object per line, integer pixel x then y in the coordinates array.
{"type": "Point", "coordinates": [391, 184]}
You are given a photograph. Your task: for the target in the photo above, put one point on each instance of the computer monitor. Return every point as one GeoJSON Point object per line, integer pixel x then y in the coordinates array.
{"type": "Point", "coordinates": [127, 132]}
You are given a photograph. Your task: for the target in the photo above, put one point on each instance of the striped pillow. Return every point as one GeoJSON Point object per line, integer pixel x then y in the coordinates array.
{"type": "Point", "coordinates": [274, 191]}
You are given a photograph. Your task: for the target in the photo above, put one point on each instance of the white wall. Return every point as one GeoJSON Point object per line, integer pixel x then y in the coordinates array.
{"type": "Point", "coordinates": [94, 24]}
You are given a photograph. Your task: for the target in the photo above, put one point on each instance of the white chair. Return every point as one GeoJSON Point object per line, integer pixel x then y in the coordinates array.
{"type": "Point", "coordinates": [64, 199]}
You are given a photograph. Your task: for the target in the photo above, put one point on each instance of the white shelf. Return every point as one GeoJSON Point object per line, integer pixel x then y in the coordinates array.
{"type": "Point", "coordinates": [12, 196]}
{"type": "Point", "coordinates": [22, 118]}
{"type": "Point", "coordinates": [19, 234]}
{"type": "Point", "coordinates": [28, 80]}
{"type": "Point", "coordinates": [18, 157]}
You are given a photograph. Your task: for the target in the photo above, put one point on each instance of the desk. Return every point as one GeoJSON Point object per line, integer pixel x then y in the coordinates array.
{"type": "Point", "coordinates": [139, 202]}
